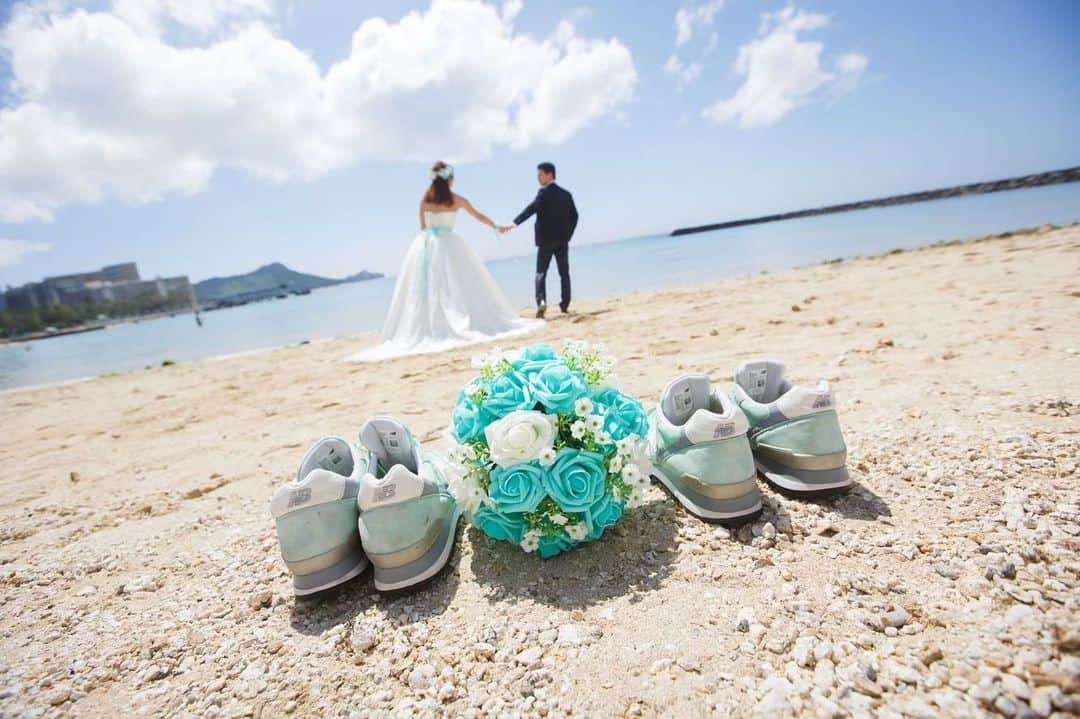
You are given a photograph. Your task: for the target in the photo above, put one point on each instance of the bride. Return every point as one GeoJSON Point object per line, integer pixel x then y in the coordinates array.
{"type": "Point", "coordinates": [444, 296]}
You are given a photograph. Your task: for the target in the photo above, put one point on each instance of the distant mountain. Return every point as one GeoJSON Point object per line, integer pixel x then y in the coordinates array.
{"type": "Point", "coordinates": [266, 278]}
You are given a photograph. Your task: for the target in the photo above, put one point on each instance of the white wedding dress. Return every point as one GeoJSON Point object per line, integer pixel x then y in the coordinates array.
{"type": "Point", "coordinates": [444, 298]}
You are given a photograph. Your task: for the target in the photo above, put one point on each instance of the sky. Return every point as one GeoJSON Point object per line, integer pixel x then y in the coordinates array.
{"type": "Point", "coordinates": [209, 137]}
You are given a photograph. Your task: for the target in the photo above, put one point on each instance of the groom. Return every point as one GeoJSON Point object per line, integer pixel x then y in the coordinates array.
{"type": "Point", "coordinates": [556, 219]}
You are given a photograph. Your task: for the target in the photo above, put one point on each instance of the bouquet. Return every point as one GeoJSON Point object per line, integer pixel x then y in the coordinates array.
{"type": "Point", "coordinates": [548, 452]}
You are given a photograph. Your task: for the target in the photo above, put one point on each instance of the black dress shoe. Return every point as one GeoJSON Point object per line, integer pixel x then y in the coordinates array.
{"type": "Point", "coordinates": [540, 310]}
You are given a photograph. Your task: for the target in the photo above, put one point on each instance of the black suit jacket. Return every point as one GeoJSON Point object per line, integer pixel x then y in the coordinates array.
{"type": "Point", "coordinates": [556, 216]}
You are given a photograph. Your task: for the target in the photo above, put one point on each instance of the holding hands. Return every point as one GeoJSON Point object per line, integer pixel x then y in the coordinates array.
{"type": "Point", "coordinates": [503, 229]}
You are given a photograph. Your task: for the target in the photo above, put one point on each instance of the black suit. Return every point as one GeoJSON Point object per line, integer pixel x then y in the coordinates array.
{"type": "Point", "coordinates": [556, 220]}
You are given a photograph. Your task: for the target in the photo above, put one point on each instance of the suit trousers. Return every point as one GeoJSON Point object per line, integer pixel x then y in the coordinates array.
{"type": "Point", "coordinates": [561, 253]}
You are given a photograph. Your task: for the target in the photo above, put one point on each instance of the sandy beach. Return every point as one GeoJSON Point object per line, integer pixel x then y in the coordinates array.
{"type": "Point", "coordinates": [141, 573]}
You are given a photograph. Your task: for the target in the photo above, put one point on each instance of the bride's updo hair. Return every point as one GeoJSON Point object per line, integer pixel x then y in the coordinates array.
{"type": "Point", "coordinates": [439, 193]}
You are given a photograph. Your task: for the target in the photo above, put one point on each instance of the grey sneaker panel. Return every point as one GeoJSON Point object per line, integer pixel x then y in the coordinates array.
{"type": "Point", "coordinates": [775, 417]}
{"type": "Point", "coordinates": [730, 507]}
{"type": "Point", "coordinates": [810, 481]}
{"type": "Point", "coordinates": [352, 488]}
{"type": "Point", "coordinates": [344, 570]}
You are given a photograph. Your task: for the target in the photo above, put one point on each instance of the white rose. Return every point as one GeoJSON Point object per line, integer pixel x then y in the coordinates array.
{"type": "Point", "coordinates": [519, 437]}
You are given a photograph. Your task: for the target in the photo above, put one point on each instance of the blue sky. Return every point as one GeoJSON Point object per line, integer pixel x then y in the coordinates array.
{"type": "Point", "coordinates": [934, 94]}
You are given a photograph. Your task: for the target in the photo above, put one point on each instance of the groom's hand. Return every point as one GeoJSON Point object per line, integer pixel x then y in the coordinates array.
{"type": "Point", "coordinates": [505, 228]}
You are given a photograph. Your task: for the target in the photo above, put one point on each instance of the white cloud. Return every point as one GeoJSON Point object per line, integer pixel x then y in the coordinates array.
{"type": "Point", "coordinates": [690, 20]}
{"type": "Point", "coordinates": [111, 104]}
{"type": "Point", "coordinates": [781, 71]}
{"type": "Point", "coordinates": [12, 251]}
{"type": "Point", "coordinates": [201, 16]}
{"type": "Point", "coordinates": [684, 74]}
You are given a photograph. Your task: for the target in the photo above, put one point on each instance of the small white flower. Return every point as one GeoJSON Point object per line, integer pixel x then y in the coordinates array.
{"type": "Point", "coordinates": [472, 389]}
{"type": "Point", "coordinates": [583, 407]}
{"type": "Point", "coordinates": [577, 532]}
{"type": "Point", "coordinates": [530, 542]}
{"type": "Point", "coordinates": [636, 498]}
{"type": "Point", "coordinates": [547, 457]}
{"type": "Point", "coordinates": [594, 422]}
{"type": "Point", "coordinates": [603, 438]}
{"type": "Point", "coordinates": [616, 464]}
{"type": "Point", "coordinates": [631, 474]}
{"type": "Point", "coordinates": [559, 519]}
{"type": "Point", "coordinates": [616, 494]}
{"type": "Point", "coordinates": [577, 429]}
{"type": "Point", "coordinates": [467, 452]}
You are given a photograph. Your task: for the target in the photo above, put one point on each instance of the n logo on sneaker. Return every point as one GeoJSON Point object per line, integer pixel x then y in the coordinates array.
{"type": "Point", "coordinates": [299, 496]}
{"type": "Point", "coordinates": [723, 430]}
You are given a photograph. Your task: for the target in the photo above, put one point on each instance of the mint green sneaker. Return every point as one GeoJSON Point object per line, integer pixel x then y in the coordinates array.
{"type": "Point", "coordinates": [316, 517]}
{"type": "Point", "coordinates": [794, 431]}
{"type": "Point", "coordinates": [408, 518]}
{"type": "Point", "coordinates": [699, 451]}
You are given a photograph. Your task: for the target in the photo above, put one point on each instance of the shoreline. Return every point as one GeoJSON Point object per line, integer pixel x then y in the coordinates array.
{"type": "Point", "coordinates": [527, 311]}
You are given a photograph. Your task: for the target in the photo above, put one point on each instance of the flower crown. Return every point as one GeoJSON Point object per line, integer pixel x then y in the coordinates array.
{"type": "Point", "coordinates": [444, 173]}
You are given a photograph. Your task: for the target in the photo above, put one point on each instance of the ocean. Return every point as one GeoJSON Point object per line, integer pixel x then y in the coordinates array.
{"type": "Point", "coordinates": [598, 270]}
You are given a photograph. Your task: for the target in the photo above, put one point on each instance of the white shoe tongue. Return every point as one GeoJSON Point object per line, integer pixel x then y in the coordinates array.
{"type": "Point", "coordinates": [683, 396]}
{"type": "Point", "coordinates": [397, 485]}
{"type": "Point", "coordinates": [761, 379]}
{"type": "Point", "coordinates": [390, 442]}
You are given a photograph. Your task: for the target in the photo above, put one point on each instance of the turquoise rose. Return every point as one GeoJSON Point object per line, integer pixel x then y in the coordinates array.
{"type": "Point", "coordinates": [603, 513]}
{"type": "Point", "coordinates": [533, 353]}
{"type": "Point", "coordinates": [467, 420]}
{"type": "Point", "coordinates": [557, 542]}
{"type": "Point", "coordinates": [576, 480]}
{"type": "Point", "coordinates": [557, 387]}
{"type": "Point", "coordinates": [519, 488]}
{"type": "Point", "coordinates": [623, 415]}
{"type": "Point", "coordinates": [507, 393]}
{"type": "Point", "coordinates": [507, 527]}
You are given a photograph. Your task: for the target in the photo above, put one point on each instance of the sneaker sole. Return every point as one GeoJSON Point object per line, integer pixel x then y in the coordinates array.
{"type": "Point", "coordinates": [727, 512]}
{"type": "Point", "coordinates": [307, 584]}
{"type": "Point", "coordinates": [804, 483]}
{"type": "Point", "coordinates": [423, 571]}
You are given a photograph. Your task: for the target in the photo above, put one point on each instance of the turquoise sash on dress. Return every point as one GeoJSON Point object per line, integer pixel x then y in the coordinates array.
{"type": "Point", "coordinates": [430, 233]}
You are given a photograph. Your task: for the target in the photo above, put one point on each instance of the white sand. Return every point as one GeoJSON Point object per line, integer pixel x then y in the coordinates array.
{"type": "Point", "coordinates": [134, 531]}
